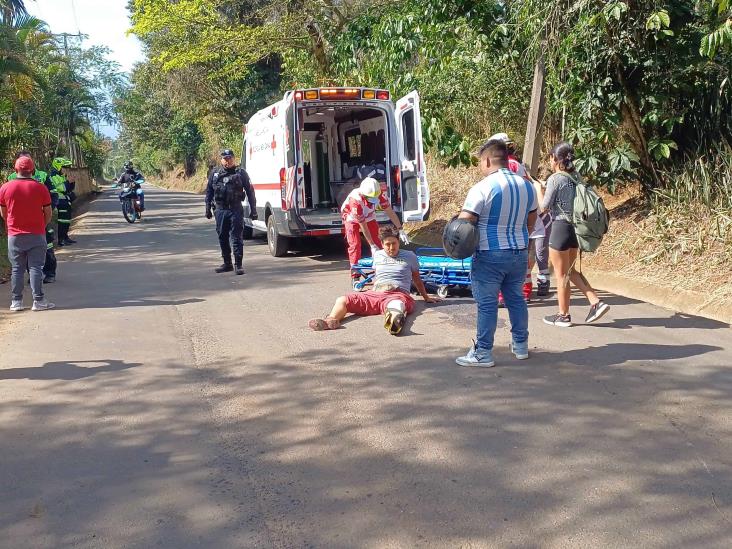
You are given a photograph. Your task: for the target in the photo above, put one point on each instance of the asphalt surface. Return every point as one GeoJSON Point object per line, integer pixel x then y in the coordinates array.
{"type": "Point", "coordinates": [162, 405]}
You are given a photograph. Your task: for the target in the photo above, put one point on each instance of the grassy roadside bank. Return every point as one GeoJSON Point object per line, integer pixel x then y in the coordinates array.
{"type": "Point", "coordinates": [664, 242]}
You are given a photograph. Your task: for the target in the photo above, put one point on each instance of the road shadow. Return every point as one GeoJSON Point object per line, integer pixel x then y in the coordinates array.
{"type": "Point", "coordinates": [67, 371]}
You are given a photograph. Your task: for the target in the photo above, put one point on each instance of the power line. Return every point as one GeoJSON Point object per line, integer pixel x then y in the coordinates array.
{"type": "Point", "coordinates": [73, 11]}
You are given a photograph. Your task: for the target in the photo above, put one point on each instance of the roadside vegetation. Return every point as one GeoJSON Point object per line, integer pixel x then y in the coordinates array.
{"type": "Point", "coordinates": [54, 94]}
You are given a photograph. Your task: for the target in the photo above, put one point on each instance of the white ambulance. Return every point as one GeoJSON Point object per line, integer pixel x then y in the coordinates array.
{"type": "Point", "coordinates": [306, 153]}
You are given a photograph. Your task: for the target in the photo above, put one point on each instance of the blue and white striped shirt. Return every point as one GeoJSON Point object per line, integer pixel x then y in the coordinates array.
{"type": "Point", "coordinates": [502, 202]}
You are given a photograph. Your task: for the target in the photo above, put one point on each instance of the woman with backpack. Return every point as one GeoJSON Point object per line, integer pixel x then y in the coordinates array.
{"type": "Point", "coordinates": [558, 197]}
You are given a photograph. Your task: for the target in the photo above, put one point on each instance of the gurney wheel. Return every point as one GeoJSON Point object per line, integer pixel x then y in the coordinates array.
{"type": "Point", "coordinates": [443, 291]}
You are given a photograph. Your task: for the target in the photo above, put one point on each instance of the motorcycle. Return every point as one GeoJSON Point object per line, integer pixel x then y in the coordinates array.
{"type": "Point", "coordinates": [131, 208]}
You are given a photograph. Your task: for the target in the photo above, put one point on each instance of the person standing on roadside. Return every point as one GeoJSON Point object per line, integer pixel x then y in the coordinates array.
{"type": "Point", "coordinates": [558, 199]}
{"type": "Point", "coordinates": [26, 208]}
{"type": "Point", "coordinates": [50, 265]}
{"type": "Point", "coordinates": [226, 189]}
{"type": "Point", "coordinates": [65, 190]}
{"type": "Point", "coordinates": [503, 205]}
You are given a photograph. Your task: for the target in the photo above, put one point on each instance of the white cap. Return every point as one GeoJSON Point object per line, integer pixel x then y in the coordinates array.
{"type": "Point", "coordinates": [500, 137]}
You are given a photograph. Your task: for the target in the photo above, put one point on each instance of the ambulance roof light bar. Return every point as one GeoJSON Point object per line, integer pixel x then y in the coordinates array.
{"type": "Point", "coordinates": [336, 94]}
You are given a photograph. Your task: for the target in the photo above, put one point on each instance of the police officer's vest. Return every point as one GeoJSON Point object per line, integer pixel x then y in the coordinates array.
{"type": "Point", "coordinates": [228, 188]}
{"type": "Point", "coordinates": [59, 185]}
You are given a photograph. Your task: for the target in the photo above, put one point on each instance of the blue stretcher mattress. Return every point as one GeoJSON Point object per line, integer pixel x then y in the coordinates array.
{"type": "Point", "coordinates": [435, 269]}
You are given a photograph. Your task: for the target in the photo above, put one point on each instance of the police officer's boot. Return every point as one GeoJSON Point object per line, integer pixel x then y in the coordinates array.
{"type": "Point", "coordinates": [225, 267]}
{"type": "Point", "coordinates": [239, 267]}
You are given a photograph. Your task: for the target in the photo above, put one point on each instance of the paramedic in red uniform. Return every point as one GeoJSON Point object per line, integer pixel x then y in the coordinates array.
{"type": "Point", "coordinates": [359, 216]}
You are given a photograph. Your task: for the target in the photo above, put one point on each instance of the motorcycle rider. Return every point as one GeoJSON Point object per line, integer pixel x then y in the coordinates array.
{"type": "Point", "coordinates": [130, 177]}
{"type": "Point", "coordinates": [65, 191]}
{"type": "Point", "coordinates": [226, 188]}
{"type": "Point", "coordinates": [49, 267]}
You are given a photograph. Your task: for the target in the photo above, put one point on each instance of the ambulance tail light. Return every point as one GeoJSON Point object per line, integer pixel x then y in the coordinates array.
{"type": "Point", "coordinates": [283, 188]}
{"type": "Point", "coordinates": [383, 95]}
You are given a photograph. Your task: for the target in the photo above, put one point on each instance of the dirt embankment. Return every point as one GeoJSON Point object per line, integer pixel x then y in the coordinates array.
{"type": "Point", "coordinates": [176, 180]}
{"type": "Point", "coordinates": [681, 253]}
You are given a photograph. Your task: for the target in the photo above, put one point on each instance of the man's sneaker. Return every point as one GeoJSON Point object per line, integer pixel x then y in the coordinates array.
{"type": "Point", "coordinates": [68, 241]}
{"type": "Point", "coordinates": [43, 305]}
{"type": "Point", "coordinates": [564, 321]}
{"type": "Point", "coordinates": [542, 287]}
{"type": "Point", "coordinates": [483, 359]}
{"type": "Point", "coordinates": [520, 350]}
{"type": "Point", "coordinates": [528, 288]}
{"type": "Point", "coordinates": [48, 279]}
{"type": "Point", "coordinates": [239, 270]}
{"type": "Point", "coordinates": [16, 305]}
{"type": "Point", "coordinates": [596, 311]}
{"type": "Point", "coordinates": [394, 321]}
{"type": "Point", "coordinates": [224, 268]}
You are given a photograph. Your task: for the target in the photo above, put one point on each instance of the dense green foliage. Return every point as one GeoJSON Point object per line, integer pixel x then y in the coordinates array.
{"type": "Point", "coordinates": [638, 86]}
{"type": "Point", "coordinates": [52, 95]}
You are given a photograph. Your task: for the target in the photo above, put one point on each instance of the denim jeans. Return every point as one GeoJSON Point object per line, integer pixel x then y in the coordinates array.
{"type": "Point", "coordinates": [27, 251]}
{"type": "Point", "coordinates": [503, 270]}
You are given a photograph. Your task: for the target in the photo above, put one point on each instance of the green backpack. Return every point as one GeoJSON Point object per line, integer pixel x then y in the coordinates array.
{"type": "Point", "coordinates": [590, 217]}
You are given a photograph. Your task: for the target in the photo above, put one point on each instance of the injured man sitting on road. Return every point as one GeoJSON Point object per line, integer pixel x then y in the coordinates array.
{"type": "Point", "coordinates": [394, 272]}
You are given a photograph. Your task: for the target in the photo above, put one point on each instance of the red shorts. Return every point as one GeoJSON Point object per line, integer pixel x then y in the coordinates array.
{"type": "Point", "coordinates": [374, 303]}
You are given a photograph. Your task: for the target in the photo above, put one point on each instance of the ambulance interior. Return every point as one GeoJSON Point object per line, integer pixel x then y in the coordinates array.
{"type": "Point", "coordinates": [335, 141]}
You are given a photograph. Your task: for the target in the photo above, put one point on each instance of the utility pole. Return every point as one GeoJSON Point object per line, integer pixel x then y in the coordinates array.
{"type": "Point", "coordinates": [532, 144]}
{"type": "Point", "coordinates": [66, 35]}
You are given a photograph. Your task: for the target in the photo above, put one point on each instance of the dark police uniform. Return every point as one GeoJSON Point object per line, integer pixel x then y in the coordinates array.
{"type": "Point", "coordinates": [226, 189]}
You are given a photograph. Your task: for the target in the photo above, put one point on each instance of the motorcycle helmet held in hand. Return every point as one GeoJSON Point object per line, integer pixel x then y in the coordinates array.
{"type": "Point", "coordinates": [460, 238]}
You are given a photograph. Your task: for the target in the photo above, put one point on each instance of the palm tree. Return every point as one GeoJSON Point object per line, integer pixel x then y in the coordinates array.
{"type": "Point", "coordinates": [11, 8]}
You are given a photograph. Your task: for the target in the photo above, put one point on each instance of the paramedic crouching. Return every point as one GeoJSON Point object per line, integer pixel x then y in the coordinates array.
{"type": "Point", "coordinates": [226, 189]}
{"type": "Point", "coordinates": [395, 271]}
{"type": "Point", "coordinates": [359, 215]}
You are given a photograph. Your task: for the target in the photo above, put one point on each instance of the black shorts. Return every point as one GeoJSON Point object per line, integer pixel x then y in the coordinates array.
{"type": "Point", "coordinates": [563, 237]}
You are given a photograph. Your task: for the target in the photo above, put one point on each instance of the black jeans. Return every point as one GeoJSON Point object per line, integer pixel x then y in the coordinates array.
{"type": "Point", "coordinates": [230, 228]}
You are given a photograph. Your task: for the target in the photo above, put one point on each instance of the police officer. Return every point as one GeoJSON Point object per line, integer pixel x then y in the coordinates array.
{"type": "Point", "coordinates": [227, 186]}
{"type": "Point", "coordinates": [130, 177]}
{"type": "Point", "coordinates": [49, 267]}
{"type": "Point", "coordinates": [65, 191]}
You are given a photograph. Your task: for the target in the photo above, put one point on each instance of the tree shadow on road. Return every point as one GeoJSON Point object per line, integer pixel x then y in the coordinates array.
{"type": "Point", "coordinates": [68, 371]}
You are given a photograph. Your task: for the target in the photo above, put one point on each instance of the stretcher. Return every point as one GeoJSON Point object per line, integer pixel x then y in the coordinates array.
{"type": "Point", "coordinates": [440, 273]}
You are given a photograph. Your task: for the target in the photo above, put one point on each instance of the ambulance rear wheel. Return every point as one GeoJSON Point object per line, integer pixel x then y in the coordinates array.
{"type": "Point", "coordinates": [278, 245]}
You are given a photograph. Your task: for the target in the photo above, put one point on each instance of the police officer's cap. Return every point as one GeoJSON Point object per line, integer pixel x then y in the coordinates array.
{"type": "Point", "coordinates": [226, 153]}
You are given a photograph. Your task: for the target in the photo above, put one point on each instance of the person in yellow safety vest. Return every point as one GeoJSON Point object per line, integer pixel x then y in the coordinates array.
{"type": "Point", "coordinates": [49, 267]}
{"type": "Point", "coordinates": [64, 188]}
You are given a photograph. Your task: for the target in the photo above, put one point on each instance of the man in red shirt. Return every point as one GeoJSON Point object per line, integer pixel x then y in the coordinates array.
{"type": "Point", "coordinates": [26, 208]}
{"type": "Point", "coordinates": [359, 216]}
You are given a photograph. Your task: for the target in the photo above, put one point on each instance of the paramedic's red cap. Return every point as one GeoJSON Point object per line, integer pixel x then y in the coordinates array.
{"type": "Point", "coordinates": [25, 164]}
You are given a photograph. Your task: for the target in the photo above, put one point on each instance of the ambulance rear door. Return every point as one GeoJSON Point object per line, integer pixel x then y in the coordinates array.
{"type": "Point", "coordinates": [415, 190]}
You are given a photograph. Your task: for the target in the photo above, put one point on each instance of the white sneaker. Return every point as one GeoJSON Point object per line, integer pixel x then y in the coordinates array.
{"type": "Point", "coordinates": [43, 305]}
{"type": "Point", "coordinates": [520, 350]}
{"type": "Point", "coordinates": [482, 359]}
{"type": "Point", "coordinates": [16, 305]}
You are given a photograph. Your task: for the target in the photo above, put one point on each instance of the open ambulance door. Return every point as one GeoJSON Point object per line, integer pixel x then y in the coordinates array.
{"type": "Point", "coordinates": [414, 188]}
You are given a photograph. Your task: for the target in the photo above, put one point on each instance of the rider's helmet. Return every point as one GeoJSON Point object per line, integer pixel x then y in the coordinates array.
{"type": "Point", "coordinates": [129, 166]}
{"type": "Point", "coordinates": [60, 162]}
{"type": "Point", "coordinates": [460, 238]}
{"type": "Point", "coordinates": [370, 190]}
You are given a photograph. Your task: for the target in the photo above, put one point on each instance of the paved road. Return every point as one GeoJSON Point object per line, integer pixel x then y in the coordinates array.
{"type": "Point", "coordinates": [162, 405]}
